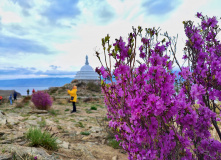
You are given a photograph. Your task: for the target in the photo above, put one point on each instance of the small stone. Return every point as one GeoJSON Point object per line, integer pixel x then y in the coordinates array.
{"type": "Point", "coordinates": [114, 158]}
{"type": "Point", "coordinates": [58, 141]}
{"type": "Point", "coordinates": [103, 141]}
{"type": "Point", "coordinates": [86, 138]}
{"type": "Point", "coordinates": [65, 145]}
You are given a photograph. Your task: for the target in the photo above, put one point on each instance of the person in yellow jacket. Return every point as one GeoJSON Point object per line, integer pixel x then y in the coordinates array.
{"type": "Point", "coordinates": [73, 95]}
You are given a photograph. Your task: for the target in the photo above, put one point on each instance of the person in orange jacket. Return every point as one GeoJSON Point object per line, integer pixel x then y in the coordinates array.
{"type": "Point", "coordinates": [73, 95]}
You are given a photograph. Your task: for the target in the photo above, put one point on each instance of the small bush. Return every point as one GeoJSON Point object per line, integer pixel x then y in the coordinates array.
{"type": "Point", "coordinates": [19, 105]}
{"type": "Point", "coordinates": [105, 118]}
{"type": "Point", "coordinates": [94, 87]}
{"type": "Point", "coordinates": [26, 99]}
{"type": "Point", "coordinates": [88, 99]}
{"type": "Point", "coordinates": [114, 143]}
{"type": "Point", "coordinates": [45, 139]}
{"type": "Point", "coordinates": [42, 100]}
{"type": "Point", "coordinates": [93, 108]}
{"type": "Point", "coordinates": [86, 133]}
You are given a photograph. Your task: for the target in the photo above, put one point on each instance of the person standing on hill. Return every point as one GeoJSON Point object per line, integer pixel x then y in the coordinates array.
{"type": "Point", "coordinates": [15, 95]}
{"type": "Point", "coordinates": [73, 95]}
{"type": "Point", "coordinates": [33, 91]}
{"type": "Point", "coordinates": [10, 99]}
{"type": "Point", "coordinates": [0, 99]}
{"type": "Point", "coordinates": [28, 92]}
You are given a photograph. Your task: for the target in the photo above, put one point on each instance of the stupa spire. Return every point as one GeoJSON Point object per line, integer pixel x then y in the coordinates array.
{"type": "Point", "coordinates": [86, 62]}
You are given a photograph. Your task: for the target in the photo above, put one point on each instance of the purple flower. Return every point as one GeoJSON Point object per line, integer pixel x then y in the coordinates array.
{"type": "Point", "coordinates": [142, 55]}
{"type": "Point", "coordinates": [142, 68]}
{"type": "Point", "coordinates": [203, 24]}
{"type": "Point", "coordinates": [185, 73]}
{"type": "Point", "coordinates": [167, 44]}
{"type": "Point", "coordinates": [184, 57]}
{"type": "Point", "coordinates": [121, 113]}
{"type": "Point", "coordinates": [145, 40]}
{"type": "Point", "coordinates": [199, 15]}
{"type": "Point", "coordinates": [212, 22]}
{"type": "Point", "coordinates": [197, 90]}
{"type": "Point", "coordinates": [103, 72]}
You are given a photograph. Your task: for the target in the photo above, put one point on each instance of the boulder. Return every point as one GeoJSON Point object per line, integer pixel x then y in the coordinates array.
{"type": "Point", "coordinates": [22, 151]}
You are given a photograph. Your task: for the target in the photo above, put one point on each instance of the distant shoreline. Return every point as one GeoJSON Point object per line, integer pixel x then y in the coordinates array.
{"type": "Point", "coordinates": [36, 82]}
{"type": "Point", "coordinates": [21, 90]}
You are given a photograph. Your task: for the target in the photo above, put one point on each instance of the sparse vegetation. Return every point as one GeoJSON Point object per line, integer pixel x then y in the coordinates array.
{"type": "Point", "coordinates": [56, 120]}
{"type": "Point", "coordinates": [61, 101]}
{"type": "Point", "coordinates": [88, 111]}
{"type": "Point", "coordinates": [79, 124]}
{"type": "Point", "coordinates": [42, 123]}
{"type": "Point", "coordinates": [26, 99]}
{"type": "Point", "coordinates": [93, 87]}
{"type": "Point", "coordinates": [86, 133]}
{"type": "Point", "coordinates": [53, 112]}
{"type": "Point", "coordinates": [93, 108]}
{"type": "Point", "coordinates": [114, 143]}
{"type": "Point", "coordinates": [19, 105]}
{"type": "Point", "coordinates": [59, 127]}
{"type": "Point", "coordinates": [80, 84]}
{"type": "Point", "coordinates": [44, 139]}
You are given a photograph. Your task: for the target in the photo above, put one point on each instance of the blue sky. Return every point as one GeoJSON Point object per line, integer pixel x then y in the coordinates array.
{"type": "Point", "coordinates": [50, 38]}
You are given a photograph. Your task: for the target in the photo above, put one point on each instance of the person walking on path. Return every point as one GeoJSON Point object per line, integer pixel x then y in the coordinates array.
{"type": "Point", "coordinates": [15, 95]}
{"type": "Point", "coordinates": [28, 92]}
{"type": "Point", "coordinates": [73, 95]}
{"type": "Point", "coordinates": [33, 91]}
{"type": "Point", "coordinates": [10, 99]}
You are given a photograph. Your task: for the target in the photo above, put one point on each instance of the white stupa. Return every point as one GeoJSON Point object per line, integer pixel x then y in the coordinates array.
{"type": "Point", "coordinates": [86, 72]}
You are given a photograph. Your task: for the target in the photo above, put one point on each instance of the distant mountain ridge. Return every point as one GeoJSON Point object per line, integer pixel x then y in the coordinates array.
{"type": "Point", "coordinates": [35, 82]}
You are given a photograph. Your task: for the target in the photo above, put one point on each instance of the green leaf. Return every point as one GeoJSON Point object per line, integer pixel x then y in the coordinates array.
{"type": "Point", "coordinates": [107, 38]}
{"type": "Point", "coordinates": [163, 40]}
{"type": "Point", "coordinates": [129, 51]}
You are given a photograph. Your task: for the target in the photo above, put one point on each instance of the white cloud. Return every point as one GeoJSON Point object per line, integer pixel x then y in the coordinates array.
{"type": "Point", "coordinates": [71, 39]}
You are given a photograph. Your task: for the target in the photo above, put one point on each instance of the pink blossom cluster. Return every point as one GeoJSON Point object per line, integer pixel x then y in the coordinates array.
{"type": "Point", "coordinates": [150, 119]}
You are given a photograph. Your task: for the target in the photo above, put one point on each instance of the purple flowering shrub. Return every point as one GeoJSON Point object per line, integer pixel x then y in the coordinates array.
{"type": "Point", "coordinates": [147, 115]}
{"type": "Point", "coordinates": [42, 100]}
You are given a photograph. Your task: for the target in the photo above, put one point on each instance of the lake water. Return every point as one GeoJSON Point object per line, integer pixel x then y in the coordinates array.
{"type": "Point", "coordinates": [23, 90]}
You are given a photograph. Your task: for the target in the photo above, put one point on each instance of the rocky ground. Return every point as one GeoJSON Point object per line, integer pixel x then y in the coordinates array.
{"type": "Point", "coordinates": [15, 121]}
{"type": "Point", "coordinates": [67, 127]}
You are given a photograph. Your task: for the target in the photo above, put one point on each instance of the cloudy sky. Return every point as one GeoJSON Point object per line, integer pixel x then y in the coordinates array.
{"type": "Point", "coordinates": [50, 38]}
